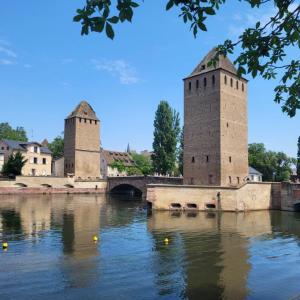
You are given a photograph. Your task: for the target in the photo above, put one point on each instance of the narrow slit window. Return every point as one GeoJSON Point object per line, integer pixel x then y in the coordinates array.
{"type": "Point", "coordinates": [193, 159]}
{"type": "Point", "coordinates": [190, 86]}
{"type": "Point", "coordinates": [207, 158]}
{"type": "Point", "coordinates": [237, 85]}
{"type": "Point", "coordinates": [213, 79]}
{"type": "Point", "coordinates": [197, 84]}
{"type": "Point", "coordinates": [242, 87]}
{"type": "Point", "coordinates": [230, 159]}
{"type": "Point", "coordinates": [225, 79]}
{"type": "Point", "coordinates": [205, 81]}
{"type": "Point", "coordinates": [231, 82]}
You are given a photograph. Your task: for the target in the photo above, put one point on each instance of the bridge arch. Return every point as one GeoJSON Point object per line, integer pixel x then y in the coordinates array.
{"type": "Point", "coordinates": [20, 184]}
{"type": "Point", "coordinates": [46, 185]}
{"type": "Point", "coordinates": [126, 189]}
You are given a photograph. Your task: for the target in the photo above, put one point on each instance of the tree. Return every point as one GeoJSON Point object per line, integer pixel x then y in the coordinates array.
{"type": "Point", "coordinates": [57, 147]}
{"type": "Point", "coordinates": [166, 132]}
{"type": "Point", "coordinates": [264, 46]}
{"type": "Point", "coordinates": [142, 165]}
{"type": "Point", "coordinates": [119, 165]}
{"type": "Point", "coordinates": [14, 165]}
{"type": "Point", "coordinates": [180, 152]}
{"type": "Point", "coordinates": [7, 132]}
{"type": "Point", "coordinates": [275, 166]}
{"type": "Point", "coordinates": [298, 159]}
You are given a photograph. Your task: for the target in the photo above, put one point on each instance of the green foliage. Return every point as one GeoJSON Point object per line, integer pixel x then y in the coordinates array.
{"type": "Point", "coordinates": [14, 164]}
{"type": "Point", "coordinates": [275, 166]}
{"type": "Point", "coordinates": [166, 133]}
{"type": "Point", "coordinates": [298, 158]}
{"type": "Point", "coordinates": [180, 152]}
{"type": "Point", "coordinates": [264, 45]}
{"type": "Point", "coordinates": [57, 147]}
{"type": "Point", "coordinates": [143, 165]}
{"type": "Point", "coordinates": [7, 132]}
{"type": "Point", "coordinates": [119, 165]}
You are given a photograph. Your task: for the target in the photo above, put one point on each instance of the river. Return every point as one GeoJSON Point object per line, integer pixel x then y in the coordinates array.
{"type": "Point", "coordinates": [51, 253]}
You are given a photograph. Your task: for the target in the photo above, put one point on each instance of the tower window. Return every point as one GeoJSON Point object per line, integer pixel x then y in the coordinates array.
{"type": "Point", "coordinates": [95, 122]}
{"type": "Point", "coordinates": [242, 87]}
{"type": "Point", "coordinates": [237, 85]}
{"type": "Point", "coordinates": [225, 79]}
{"type": "Point", "coordinates": [193, 159]}
{"type": "Point", "coordinates": [231, 82]}
{"type": "Point", "coordinates": [213, 79]}
{"type": "Point", "coordinates": [190, 86]}
{"type": "Point", "coordinates": [207, 158]}
{"type": "Point", "coordinates": [230, 159]}
{"type": "Point", "coordinates": [197, 84]}
{"type": "Point", "coordinates": [205, 81]}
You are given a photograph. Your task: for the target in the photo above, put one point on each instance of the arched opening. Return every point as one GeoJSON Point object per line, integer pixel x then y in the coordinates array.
{"type": "Point", "coordinates": [191, 206]}
{"type": "Point", "coordinates": [19, 184]}
{"type": "Point", "coordinates": [175, 206]}
{"type": "Point", "coordinates": [126, 189]}
{"type": "Point", "coordinates": [69, 186]}
{"type": "Point", "coordinates": [210, 205]}
{"type": "Point", "coordinates": [46, 185]}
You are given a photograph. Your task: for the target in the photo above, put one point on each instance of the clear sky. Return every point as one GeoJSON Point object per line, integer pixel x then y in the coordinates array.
{"type": "Point", "coordinates": [47, 68]}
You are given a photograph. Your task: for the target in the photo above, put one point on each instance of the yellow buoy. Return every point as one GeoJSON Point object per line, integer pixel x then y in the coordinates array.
{"type": "Point", "coordinates": [5, 245]}
{"type": "Point", "coordinates": [166, 241]}
{"type": "Point", "coordinates": [95, 238]}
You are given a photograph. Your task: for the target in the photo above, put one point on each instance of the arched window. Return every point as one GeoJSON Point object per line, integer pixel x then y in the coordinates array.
{"type": "Point", "coordinates": [225, 79]}
{"type": "Point", "coordinates": [205, 81]}
{"type": "Point", "coordinates": [213, 79]}
{"type": "Point", "coordinates": [231, 82]}
{"type": "Point", "coordinates": [197, 84]}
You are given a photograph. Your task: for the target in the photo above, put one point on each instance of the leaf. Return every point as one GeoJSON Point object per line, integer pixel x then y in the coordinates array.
{"type": "Point", "coordinates": [170, 4]}
{"type": "Point", "coordinates": [77, 18]}
{"type": "Point", "coordinates": [113, 20]}
{"type": "Point", "coordinates": [109, 31]}
{"type": "Point", "coordinates": [202, 26]}
{"type": "Point", "coordinates": [209, 11]}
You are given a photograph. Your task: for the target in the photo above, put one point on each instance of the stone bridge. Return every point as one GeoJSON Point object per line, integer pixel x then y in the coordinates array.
{"type": "Point", "coordinates": [138, 184]}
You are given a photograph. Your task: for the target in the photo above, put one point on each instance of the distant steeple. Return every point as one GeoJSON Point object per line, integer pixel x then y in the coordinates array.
{"type": "Point", "coordinates": [128, 149]}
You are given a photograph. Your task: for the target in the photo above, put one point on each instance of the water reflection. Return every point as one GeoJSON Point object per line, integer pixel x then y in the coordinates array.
{"type": "Point", "coordinates": [210, 255]}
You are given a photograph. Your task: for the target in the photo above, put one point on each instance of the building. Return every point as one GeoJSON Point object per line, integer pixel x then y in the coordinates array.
{"type": "Point", "coordinates": [58, 167]}
{"type": "Point", "coordinates": [215, 125]}
{"type": "Point", "coordinates": [254, 175]}
{"type": "Point", "coordinates": [1, 159]}
{"type": "Point", "coordinates": [82, 143]}
{"type": "Point", "coordinates": [38, 157]}
{"type": "Point", "coordinates": [108, 158]}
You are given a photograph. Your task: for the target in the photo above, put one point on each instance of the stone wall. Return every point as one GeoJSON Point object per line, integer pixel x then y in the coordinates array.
{"type": "Point", "coordinates": [290, 195]}
{"type": "Point", "coordinates": [251, 196]}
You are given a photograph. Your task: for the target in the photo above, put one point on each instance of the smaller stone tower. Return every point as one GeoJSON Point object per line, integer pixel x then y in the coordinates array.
{"type": "Point", "coordinates": [82, 143]}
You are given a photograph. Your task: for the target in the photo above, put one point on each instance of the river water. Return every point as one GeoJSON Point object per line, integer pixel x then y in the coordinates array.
{"type": "Point", "coordinates": [52, 255]}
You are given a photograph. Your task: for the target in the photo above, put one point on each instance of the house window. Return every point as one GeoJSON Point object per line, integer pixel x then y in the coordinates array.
{"type": "Point", "coordinates": [190, 86]}
{"type": "Point", "coordinates": [80, 120]}
{"type": "Point", "coordinates": [213, 79]}
{"type": "Point", "coordinates": [205, 81]}
{"type": "Point", "coordinates": [35, 149]}
{"type": "Point", "coordinates": [207, 158]}
{"type": "Point", "coordinates": [90, 121]}
{"type": "Point", "coordinates": [84, 120]}
{"type": "Point", "coordinates": [230, 159]}
{"type": "Point", "coordinates": [197, 84]}
{"type": "Point", "coordinates": [35, 160]}
{"type": "Point", "coordinates": [44, 161]}
{"type": "Point", "coordinates": [225, 79]}
{"type": "Point", "coordinates": [231, 82]}
{"type": "Point", "coordinates": [193, 159]}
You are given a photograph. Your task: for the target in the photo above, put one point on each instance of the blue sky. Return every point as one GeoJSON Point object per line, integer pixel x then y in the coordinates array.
{"type": "Point", "coordinates": [47, 68]}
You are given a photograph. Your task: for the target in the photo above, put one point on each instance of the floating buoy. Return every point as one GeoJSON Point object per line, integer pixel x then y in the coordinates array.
{"type": "Point", "coordinates": [4, 246]}
{"type": "Point", "coordinates": [166, 241]}
{"type": "Point", "coordinates": [95, 238]}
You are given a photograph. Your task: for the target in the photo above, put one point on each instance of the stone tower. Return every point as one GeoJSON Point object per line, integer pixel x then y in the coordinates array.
{"type": "Point", "coordinates": [215, 125]}
{"type": "Point", "coordinates": [82, 142]}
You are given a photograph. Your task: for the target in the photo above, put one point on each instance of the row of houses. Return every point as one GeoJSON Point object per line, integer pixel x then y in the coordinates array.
{"type": "Point", "coordinates": [40, 163]}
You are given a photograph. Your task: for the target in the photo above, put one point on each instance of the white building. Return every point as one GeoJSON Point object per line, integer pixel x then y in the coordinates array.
{"type": "Point", "coordinates": [1, 160]}
{"type": "Point", "coordinates": [254, 175]}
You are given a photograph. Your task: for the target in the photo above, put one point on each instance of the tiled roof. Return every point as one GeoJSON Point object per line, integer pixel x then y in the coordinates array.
{"type": "Point", "coordinates": [253, 171]}
{"type": "Point", "coordinates": [83, 110]}
{"type": "Point", "coordinates": [112, 156]}
{"type": "Point", "coordinates": [223, 63]}
{"type": "Point", "coordinates": [21, 146]}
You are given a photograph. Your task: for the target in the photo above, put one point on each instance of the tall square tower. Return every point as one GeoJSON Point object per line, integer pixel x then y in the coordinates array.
{"type": "Point", "coordinates": [82, 142]}
{"type": "Point", "coordinates": [215, 125]}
